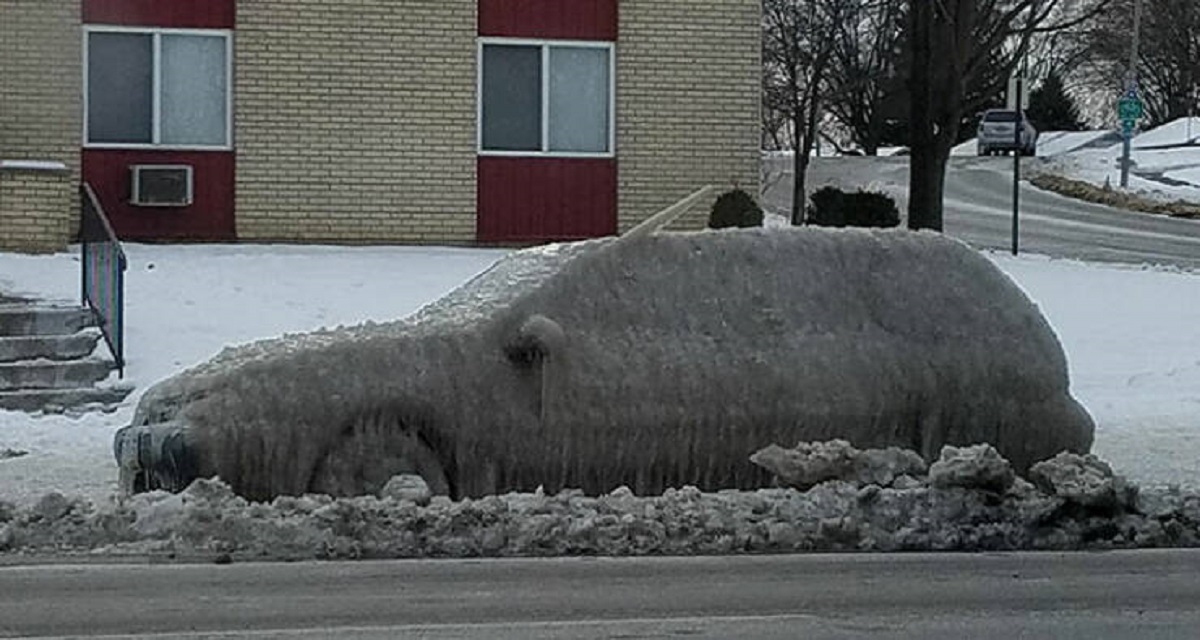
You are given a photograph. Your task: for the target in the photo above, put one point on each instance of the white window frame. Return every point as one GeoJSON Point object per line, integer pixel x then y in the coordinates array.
{"type": "Point", "coordinates": [546, 45]}
{"type": "Point", "coordinates": [156, 34]}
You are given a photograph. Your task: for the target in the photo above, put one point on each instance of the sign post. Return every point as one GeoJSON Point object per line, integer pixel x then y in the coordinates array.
{"type": "Point", "coordinates": [1019, 98]}
{"type": "Point", "coordinates": [1129, 111]}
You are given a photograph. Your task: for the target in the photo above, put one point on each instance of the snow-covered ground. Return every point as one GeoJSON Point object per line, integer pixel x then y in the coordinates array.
{"type": "Point", "coordinates": [1051, 143]}
{"type": "Point", "coordinates": [1184, 131]}
{"type": "Point", "coordinates": [1165, 160]}
{"type": "Point", "coordinates": [1132, 335]}
{"type": "Point", "coordinates": [184, 303]}
{"type": "Point", "coordinates": [1158, 174]}
{"type": "Point", "coordinates": [1056, 143]}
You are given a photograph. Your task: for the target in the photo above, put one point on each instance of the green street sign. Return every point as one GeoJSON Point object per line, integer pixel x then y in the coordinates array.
{"type": "Point", "coordinates": [1129, 108]}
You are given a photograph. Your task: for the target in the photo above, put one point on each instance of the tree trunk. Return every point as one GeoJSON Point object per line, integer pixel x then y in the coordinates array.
{"type": "Point", "coordinates": [926, 185]}
{"type": "Point", "coordinates": [926, 171]}
{"type": "Point", "coordinates": [799, 197]}
{"type": "Point", "coordinates": [801, 146]}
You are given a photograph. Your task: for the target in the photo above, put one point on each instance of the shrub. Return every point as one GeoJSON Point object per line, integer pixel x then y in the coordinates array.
{"type": "Point", "coordinates": [735, 209]}
{"type": "Point", "coordinates": [832, 207]}
{"type": "Point", "coordinates": [827, 207]}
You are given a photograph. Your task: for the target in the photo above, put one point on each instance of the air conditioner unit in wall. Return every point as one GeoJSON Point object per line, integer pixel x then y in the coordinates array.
{"type": "Point", "coordinates": [161, 185]}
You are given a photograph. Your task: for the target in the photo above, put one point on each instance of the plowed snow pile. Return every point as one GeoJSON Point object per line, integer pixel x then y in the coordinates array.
{"type": "Point", "coordinates": [969, 499]}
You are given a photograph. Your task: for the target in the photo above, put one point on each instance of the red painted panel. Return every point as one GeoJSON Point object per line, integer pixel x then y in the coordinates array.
{"type": "Point", "coordinates": [210, 216]}
{"type": "Point", "coordinates": [193, 14]}
{"type": "Point", "coordinates": [561, 19]}
{"type": "Point", "coordinates": [528, 200]}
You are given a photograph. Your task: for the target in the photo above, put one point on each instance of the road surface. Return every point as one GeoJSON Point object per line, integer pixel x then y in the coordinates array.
{"type": "Point", "coordinates": [978, 209]}
{"type": "Point", "coordinates": [1091, 596]}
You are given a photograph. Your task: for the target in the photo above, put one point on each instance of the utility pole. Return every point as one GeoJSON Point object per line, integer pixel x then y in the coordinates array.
{"type": "Point", "coordinates": [1137, 34]}
{"type": "Point", "coordinates": [1020, 100]}
{"type": "Point", "coordinates": [1192, 99]}
{"type": "Point", "coordinates": [1131, 93]}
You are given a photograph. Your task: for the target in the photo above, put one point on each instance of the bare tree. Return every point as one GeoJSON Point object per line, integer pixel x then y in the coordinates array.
{"type": "Point", "coordinates": [776, 134]}
{"type": "Point", "coordinates": [963, 52]}
{"type": "Point", "coordinates": [797, 53]}
{"type": "Point", "coordinates": [1063, 51]}
{"type": "Point", "coordinates": [1168, 65]}
{"type": "Point", "coordinates": [865, 68]}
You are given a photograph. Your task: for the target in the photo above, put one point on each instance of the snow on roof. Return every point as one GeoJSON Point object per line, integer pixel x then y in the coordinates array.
{"type": "Point", "coordinates": [512, 276]}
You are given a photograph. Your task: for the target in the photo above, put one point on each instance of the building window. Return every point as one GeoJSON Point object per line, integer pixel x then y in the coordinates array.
{"type": "Point", "coordinates": [157, 88]}
{"type": "Point", "coordinates": [545, 98]}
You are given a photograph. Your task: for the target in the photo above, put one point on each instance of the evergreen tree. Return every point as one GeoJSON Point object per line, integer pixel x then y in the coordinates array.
{"type": "Point", "coordinates": [1051, 109]}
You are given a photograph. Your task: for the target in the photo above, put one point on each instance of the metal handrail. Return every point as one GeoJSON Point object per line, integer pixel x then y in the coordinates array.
{"type": "Point", "coordinates": [103, 273]}
{"type": "Point", "coordinates": [668, 215]}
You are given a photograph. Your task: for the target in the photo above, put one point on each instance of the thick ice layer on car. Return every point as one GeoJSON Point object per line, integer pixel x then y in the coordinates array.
{"type": "Point", "coordinates": [650, 362]}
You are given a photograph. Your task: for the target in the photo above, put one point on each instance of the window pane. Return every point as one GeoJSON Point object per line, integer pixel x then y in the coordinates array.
{"type": "Point", "coordinates": [512, 98]}
{"type": "Point", "coordinates": [120, 71]}
{"type": "Point", "coordinates": [194, 86]}
{"type": "Point", "coordinates": [579, 99]}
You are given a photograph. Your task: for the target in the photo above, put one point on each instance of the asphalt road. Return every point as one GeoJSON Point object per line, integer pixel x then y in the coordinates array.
{"type": "Point", "coordinates": [1092, 596]}
{"type": "Point", "coordinates": [978, 210]}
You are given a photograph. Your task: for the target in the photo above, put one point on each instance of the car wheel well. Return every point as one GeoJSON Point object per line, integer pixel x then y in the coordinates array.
{"type": "Point", "coordinates": [380, 443]}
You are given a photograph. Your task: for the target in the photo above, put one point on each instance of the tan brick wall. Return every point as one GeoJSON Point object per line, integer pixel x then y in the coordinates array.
{"type": "Point", "coordinates": [688, 96]}
{"type": "Point", "coordinates": [31, 210]}
{"type": "Point", "coordinates": [40, 119]}
{"type": "Point", "coordinates": [356, 120]}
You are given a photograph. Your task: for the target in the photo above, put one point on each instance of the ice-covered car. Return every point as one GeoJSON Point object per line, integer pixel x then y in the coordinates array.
{"type": "Point", "coordinates": [997, 132]}
{"type": "Point", "coordinates": [651, 361]}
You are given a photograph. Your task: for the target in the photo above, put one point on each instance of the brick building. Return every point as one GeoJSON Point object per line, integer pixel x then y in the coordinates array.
{"type": "Point", "coordinates": [370, 121]}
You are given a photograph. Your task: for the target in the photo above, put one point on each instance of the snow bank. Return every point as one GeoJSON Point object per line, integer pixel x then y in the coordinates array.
{"type": "Point", "coordinates": [1055, 143]}
{"type": "Point", "coordinates": [810, 464]}
{"type": "Point", "coordinates": [966, 148]}
{"type": "Point", "coordinates": [1049, 144]}
{"type": "Point", "coordinates": [1181, 131]}
{"type": "Point", "coordinates": [1102, 167]}
{"type": "Point", "coordinates": [1190, 175]}
{"type": "Point", "coordinates": [1165, 162]}
{"type": "Point", "coordinates": [1065, 509]}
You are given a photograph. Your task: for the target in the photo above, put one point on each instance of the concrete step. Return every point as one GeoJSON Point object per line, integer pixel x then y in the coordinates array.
{"type": "Point", "coordinates": [45, 374]}
{"type": "Point", "coordinates": [71, 347]}
{"type": "Point", "coordinates": [59, 400]}
{"type": "Point", "coordinates": [17, 319]}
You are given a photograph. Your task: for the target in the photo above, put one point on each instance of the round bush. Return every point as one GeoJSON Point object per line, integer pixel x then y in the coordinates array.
{"type": "Point", "coordinates": [832, 207]}
{"type": "Point", "coordinates": [735, 209]}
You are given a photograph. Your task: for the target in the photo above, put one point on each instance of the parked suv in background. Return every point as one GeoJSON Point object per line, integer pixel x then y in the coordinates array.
{"type": "Point", "coordinates": [996, 133]}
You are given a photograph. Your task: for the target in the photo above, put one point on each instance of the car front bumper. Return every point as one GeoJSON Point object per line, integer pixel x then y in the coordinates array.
{"type": "Point", "coordinates": [154, 456]}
